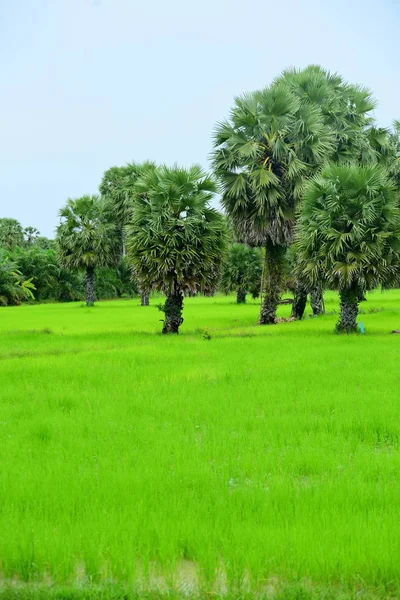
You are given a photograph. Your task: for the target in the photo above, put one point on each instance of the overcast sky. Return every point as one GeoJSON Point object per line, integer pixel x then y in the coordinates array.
{"type": "Point", "coordinates": [87, 84]}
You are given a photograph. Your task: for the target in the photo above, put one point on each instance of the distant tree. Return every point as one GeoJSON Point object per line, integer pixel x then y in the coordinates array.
{"type": "Point", "coordinates": [128, 282]}
{"type": "Point", "coordinates": [175, 240]}
{"type": "Point", "coordinates": [11, 234]}
{"type": "Point", "coordinates": [30, 235]}
{"type": "Point", "coordinates": [118, 188]}
{"type": "Point", "coordinates": [45, 243]}
{"type": "Point", "coordinates": [41, 266]}
{"type": "Point", "coordinates": [87, 238]}
{"type": "Point", "coordinates": [242, 271]}
{"type": "Point", "coordinates": [14, 288]}
{"type": "Point", "coordinates": [349, 234]}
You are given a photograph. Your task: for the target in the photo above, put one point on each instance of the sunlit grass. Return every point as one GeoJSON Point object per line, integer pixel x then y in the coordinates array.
{"type": "Point", "coordinates": [261, 459]}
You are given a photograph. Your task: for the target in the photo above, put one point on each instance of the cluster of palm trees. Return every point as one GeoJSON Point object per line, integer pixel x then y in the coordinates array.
{"type": "Point", "coordinates": [284, 158]}
{"type": "Point", "coordinates": [305, 177]}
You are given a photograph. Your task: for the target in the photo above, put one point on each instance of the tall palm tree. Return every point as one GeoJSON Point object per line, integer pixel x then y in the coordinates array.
{"type": "Point", "coordinates": [175, 240]}
{"type": "Point", "coordinates": [272, 142]}
{"type": "Point", "coordinates": [31, 234]}
{"type": "Point", "coordinates": [117, 187]}
{"type": "Point", "coordinates": [11, 234]}
{"type": "Point", "coordinates": [349, 234]}
{"type": "Point", "coordinates": [87, 238]}
{"type": "Point", "coordinates": [347, 110]}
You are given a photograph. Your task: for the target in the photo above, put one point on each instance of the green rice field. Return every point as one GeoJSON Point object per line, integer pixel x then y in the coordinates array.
{"type": "Point", "coordinates": [232, 461]}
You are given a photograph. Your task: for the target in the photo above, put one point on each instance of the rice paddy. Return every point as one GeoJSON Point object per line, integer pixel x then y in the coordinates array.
{"type": "Point", "coordinates": [232, 460]}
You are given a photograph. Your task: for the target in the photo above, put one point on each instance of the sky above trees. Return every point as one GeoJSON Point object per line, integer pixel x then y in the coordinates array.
{"type": "Point", "coordinates": [87, 84]}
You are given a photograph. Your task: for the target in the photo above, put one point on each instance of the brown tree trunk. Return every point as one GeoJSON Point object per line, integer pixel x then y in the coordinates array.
{"type": "Point", "coordinates": [349, 300]}
{"type": "Point", "coordinates": [241, 296]}
{"type": "Point", "coordinates": [299, 301]}
{"type": "Point", "coordinates": [317, 301]}
{"type": "Point", "coordinates": [173, 312]}
{"type": "Point", "coordinates": [90, 297]}
{"type": "Point", "coordinates": [273, 276]}
{"type": "Point", "coordinates": [144, 298]}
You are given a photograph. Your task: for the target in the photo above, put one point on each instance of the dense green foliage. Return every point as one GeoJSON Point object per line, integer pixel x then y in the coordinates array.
{"type": "Point", "coordinates": [14, 288]}
{"type": "Point", "coordinates": [175, 239]}
{"type": "Point", "coordinates": [118, 188]}
{"type": "Point", "coordinates": [11, 234]}
{"type": "Point", "coordinates": [87, 238]}
{"type": "Point", "coordinates": [242, 272]}
{"type": "Point", "coordinates": [349, 234]}
{"type": "Point", "coordinates": [38, 262]}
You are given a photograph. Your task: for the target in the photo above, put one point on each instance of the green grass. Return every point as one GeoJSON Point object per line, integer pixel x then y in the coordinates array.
{"type": "Point", "coordinates": [263, 460]}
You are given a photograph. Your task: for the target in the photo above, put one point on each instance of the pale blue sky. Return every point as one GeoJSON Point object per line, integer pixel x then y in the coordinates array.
{"type": "Point", "coordinates": [87, 84]}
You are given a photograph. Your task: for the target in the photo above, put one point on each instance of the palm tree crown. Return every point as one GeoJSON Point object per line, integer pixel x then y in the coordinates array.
{"type": "Point", "coordinates": [175, 240]}
{"type": "Point", "coordinates": [262, 155]}
{"type": "Point", "coordinates": [117, 187]}
{"type": "Point", "coordinates": [349, 228]}
{"type": "Point", "coordinates": [87, 235]}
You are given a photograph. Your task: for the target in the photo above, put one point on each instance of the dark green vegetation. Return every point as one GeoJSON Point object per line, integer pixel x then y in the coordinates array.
{"type": "Point", "coordinates": [349, 235]}
{"type": "Point", "coordinates": [87, 238]}
{"type": "Point", "coordinates": [242, 272]}
{"type": "Point", "coordinates": [175, 240]}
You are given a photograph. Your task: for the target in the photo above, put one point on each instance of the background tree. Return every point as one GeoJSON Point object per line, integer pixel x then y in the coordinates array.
{"type": "Point", "coordinates": [349, 234]}
{"type": "Point", "coordinates": [175, 240]}
{"type": "Point", "coordinates": [14, 288]}
{"type": "Point", "coordinates": [87, 238]}
{"type": "Point", "coordinates": [242, 271]}
{"type": "Point", "coordinates": [118, 188]}
{"type": "Point", "coordinates": [45, 243]}
{"type": "Point", "coordinates": [41, 266]}
{"type": "Point", "coordinates": [30, 235]}
{"type": "Point", "coordinates": [271, 143]}
{"type": "Point", "coordinates": [11, 234]}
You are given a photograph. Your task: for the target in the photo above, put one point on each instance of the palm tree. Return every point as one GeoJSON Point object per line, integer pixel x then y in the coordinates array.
{"type": "Point", "coordinates": [349, 234]}
{"type": "Point", "coordinates": [87, 238]}
{"type": "Point", "coordinates": [14, 288]}
{"type": "Point", "coordinates": [11, 234]}
{"type": "Point", "coordinates": [346, 110]}
{"type": "Point", "coordinates": [31, 234]}
{"type": "Point", "coordinates": [242, 271]}
{"type": "Point", "coordinates": [117, 187]}
{"type": "Point", "coordinates": [272, 142]}
{"type": "Point", "coordinates": [175, 240]}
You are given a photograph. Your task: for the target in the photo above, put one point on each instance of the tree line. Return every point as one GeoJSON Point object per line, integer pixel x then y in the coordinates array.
{"type": "Point", "coordinates": [310, 189]}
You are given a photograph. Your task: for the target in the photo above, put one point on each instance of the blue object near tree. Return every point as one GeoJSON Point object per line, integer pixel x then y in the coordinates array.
{"type": "Point", "coordinates": [362, 327]}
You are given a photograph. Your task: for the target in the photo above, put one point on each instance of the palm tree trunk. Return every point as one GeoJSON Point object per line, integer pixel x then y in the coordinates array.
{"type": "Point", "coordinates": [317, 301]}
{"type": "Point", "coordinates": [173, 312]}
{"type": "Point", "coordinates": [241, 296]}
{"type": "Point", "coordinates": [299, 301]}
{"type": "Point", "coordinates": [90, 286]}
{"type": "Point", "coordinates": [273, 275]}
{"type": "Point", "coordinates": [361, 294]}
{"type": "Point", "coordinates": [349, 299]}
{"type": "Point", "coordinates": [144, 298]}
